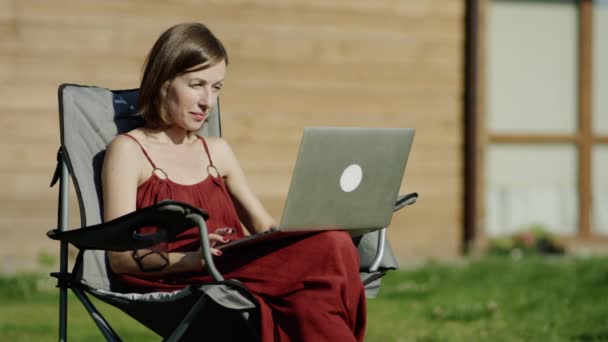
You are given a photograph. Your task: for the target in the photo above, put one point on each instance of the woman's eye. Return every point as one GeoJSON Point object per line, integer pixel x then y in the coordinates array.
{"type": "Point", "coordinates": [196, 85]}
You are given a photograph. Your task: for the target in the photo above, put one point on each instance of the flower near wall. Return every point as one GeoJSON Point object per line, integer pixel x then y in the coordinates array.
{"type": "Point", "coordinates": [534, 240]}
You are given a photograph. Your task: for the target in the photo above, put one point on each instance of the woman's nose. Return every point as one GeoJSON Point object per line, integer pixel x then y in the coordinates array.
{"type": "Point", "coordinates": [204, 99]}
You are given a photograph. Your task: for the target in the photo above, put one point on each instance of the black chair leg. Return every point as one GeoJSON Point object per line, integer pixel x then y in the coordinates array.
{"type": "Point", "coordinates": [183, 327]}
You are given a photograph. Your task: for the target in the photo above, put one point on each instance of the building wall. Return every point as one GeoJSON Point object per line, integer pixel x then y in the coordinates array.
{"type": "Point", "coordinates": [292, 64]}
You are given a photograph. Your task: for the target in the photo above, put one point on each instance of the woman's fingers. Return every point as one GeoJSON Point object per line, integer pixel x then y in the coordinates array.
{"type": "Point", "coordinates": [224, 231]}
{"type": "Point", "coordinates": [214, 251]}
{"type": "Point", "coordinates": [215, 239]}
{"type": "Point", "coordinates": [218, 238]}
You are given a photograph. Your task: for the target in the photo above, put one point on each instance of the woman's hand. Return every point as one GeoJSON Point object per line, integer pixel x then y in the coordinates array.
{"type": "Point", "coordinates": [215, 239]}
{"type": "Point", "coordinates": [219, 236]}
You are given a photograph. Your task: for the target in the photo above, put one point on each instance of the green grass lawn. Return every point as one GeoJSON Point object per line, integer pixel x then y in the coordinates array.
{"type": "Point", "coordinates": [493, 299]}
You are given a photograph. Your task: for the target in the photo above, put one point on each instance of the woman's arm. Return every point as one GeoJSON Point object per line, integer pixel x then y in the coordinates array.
{"type": "Point", "coordinates": [121, 174]}
{"type": "Point", "coordinates": [251, 211]}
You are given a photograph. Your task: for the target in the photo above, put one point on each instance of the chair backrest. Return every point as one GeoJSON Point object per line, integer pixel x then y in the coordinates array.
{"type": "Point", "coordinates": [90, 117]}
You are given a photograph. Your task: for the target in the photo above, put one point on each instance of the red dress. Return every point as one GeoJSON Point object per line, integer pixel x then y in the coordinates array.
{"type": "Point", "coordinates": [308, 287]}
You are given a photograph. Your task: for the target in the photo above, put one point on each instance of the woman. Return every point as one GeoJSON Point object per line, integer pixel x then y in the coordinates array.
{"type": "Point", "coordinates": [308, 287]}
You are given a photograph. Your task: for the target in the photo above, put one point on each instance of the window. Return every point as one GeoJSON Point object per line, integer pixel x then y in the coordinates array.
{"type": "Point", "coordinates": [546, 160]}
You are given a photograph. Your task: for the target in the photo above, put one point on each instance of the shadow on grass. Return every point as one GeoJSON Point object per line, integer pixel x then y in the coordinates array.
{"type": "Point", "coordinates": [601, 335]}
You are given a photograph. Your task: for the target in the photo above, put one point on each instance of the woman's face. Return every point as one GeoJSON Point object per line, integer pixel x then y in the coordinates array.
{"type": "Point", "coordinates": [191, 96]}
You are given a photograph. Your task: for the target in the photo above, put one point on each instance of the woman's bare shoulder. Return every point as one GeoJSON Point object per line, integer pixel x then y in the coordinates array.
{"type": "Point", "coordinates": [124, 146]}
{"type": "Point", "coordinates": [124, 158]}
{"type": "Point", "coordinates": [217, 143]}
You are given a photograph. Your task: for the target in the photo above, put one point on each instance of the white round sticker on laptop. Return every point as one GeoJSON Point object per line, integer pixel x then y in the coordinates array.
{"type": "Point", "coordinates": [351, 178]}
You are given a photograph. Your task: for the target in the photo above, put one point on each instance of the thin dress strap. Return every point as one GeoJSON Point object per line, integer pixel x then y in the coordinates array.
{"type": "Point", "coordinates": [211, 167]}
{"type": "Point", "coordinates": [206, 150]}
{"type": "Point", "coordinates": [143, 150]}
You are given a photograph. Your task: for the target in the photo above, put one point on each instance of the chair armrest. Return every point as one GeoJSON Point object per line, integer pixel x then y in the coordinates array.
{"type": "Point", "coordinates": [377, 245]}
{"type": "Point", "coordinates": [405, 200]}
{"type": "Point", "coordinates": [120, 234]}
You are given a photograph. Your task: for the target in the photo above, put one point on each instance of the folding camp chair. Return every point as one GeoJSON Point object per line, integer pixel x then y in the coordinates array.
{"type": "Point", "coordinates": [90, 117]}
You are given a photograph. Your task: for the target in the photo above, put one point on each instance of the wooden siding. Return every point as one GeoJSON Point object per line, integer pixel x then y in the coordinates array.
{"type": "Point", "coordinates": [292, 64]}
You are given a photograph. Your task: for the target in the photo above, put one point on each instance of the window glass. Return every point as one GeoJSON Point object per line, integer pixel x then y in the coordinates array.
{"type": "Point", "coordinates": [531, 185]}
{"type": "Point", "coordinates": [599, 208]}
{"type": "Point", "coordinates": [533, 66]}
{"type": "Point", "coordinates": [600, 67]}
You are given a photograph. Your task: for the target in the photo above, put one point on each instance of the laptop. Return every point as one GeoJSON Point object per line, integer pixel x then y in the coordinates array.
{"type": "Point", "coordinates": [344, 179]}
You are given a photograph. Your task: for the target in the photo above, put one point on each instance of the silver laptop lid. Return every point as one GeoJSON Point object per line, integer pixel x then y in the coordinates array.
{"type": "Point", "coordinates": [347, 178]}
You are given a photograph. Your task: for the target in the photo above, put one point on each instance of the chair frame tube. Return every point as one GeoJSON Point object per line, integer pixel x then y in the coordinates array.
{"type": "Point", "coordinates": [64, 275]}
{"type": "Point", "coordinates": [62, 225]}
{"type": "Point", "coordinates": [183, 327]}
{"type": "Point", "coordinates": [206, 246]}
{"type": "Point", "coordinates": [100, 321]}
{"type": "Point", "coordinates": [379, 251]}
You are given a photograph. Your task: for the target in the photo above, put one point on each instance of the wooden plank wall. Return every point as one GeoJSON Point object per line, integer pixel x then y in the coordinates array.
{"type": "Point", "coordinates": [293, 64]}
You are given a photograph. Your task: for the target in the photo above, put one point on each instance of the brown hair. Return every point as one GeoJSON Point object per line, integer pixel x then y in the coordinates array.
{"type": "Point", "coordinates": [177, 51]}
